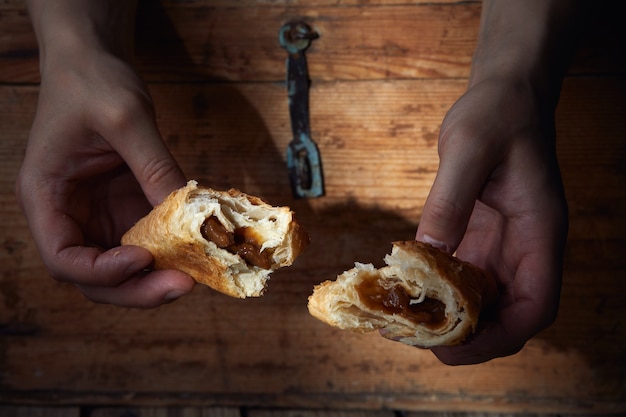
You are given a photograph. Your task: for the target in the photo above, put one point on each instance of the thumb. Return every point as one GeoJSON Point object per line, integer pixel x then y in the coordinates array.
{"type": "Point", "coordinates": [450, 202]}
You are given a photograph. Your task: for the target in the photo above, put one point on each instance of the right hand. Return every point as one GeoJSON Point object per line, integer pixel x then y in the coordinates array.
{"type": "Point", "coordinates": [95, 163]}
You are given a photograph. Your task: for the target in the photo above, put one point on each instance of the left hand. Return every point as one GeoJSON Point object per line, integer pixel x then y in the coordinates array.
{"type": "Point", "coordinates": [498, 201]}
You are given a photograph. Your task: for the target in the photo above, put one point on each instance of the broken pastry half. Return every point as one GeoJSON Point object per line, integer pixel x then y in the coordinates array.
{"type": "Point", "coordinates": [227, 240]}
{"type": "Point", "coordinates": [423, 297]}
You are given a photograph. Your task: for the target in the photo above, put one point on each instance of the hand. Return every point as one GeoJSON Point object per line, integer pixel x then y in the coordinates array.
{"type": "Point", "coordinates": [498, 201]}
{"type": "Point", "coordinates": [95, 163]}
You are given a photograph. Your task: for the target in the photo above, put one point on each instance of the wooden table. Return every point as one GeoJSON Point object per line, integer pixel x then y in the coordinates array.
{"type": "Point", "coordinates": [383, 74]}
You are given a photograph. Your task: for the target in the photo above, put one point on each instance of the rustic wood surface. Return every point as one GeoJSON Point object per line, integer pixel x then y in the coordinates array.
{"type": "Point", "coordinates": [384, 74]}
{"type": "Point", "coordinates": [178, 411]}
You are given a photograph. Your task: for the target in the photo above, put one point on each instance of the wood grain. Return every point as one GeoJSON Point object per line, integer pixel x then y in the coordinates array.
{"type": "Point", "coordinates": [198, 348]}
{"type": "Point", "coordinates": [26, 411]}
{"type": "Point", "coordinates": [165, 412]}
{"type": "Point", "coordinates": [377, 100]}
{"type": "Point", "coordinates": [203, 41]}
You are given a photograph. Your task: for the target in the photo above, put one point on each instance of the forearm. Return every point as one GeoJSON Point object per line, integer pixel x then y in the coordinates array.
{"type": "Point", "coordinates": [66, 27]}
{"type": "Point", "coordinates": [528, 40]}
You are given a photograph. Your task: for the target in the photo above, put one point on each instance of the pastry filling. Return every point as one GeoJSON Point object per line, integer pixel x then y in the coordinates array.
{"type": "Point", "coordinates": [395, 300]}
{"type": "Point", "coordinates": [244, 241]}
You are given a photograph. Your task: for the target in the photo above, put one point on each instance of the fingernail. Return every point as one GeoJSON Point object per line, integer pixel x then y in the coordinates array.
{"type": "Point", "coordinates": [173, 295]}
{"type": "Point", "coordinates": [436, 243]}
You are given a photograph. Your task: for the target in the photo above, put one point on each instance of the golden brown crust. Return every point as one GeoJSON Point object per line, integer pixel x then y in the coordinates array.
{"type": "Point", "coordinates": [171, 250]}
{"type": "Point", "coordinates": [298, 238]}
{"type": "Point", "coordinates": [171, 233]}
{"type": "Point", "coordinates": [424, 276]}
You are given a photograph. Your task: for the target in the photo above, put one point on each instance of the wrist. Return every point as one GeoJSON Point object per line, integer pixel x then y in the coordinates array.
{"type": "Point", "coordinates": [528, 43]}
{"type": "Point", "coordinates": [68, 29]}
{"type": "Point", "coordinates": [519, 76]}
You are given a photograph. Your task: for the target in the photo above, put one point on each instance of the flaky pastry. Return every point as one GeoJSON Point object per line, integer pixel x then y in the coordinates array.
{"type": "Point", "coordinates": [227, 240]}
{"type": "Point", "coordinates": [423, 297]}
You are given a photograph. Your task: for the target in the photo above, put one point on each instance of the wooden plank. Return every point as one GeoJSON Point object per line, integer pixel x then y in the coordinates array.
{"type": "Point", "coordinates": [195, 41]}
{"type": "Point", "coordinates": [210, 349]}
{"type": "Point", "coordinates": [165, 412]}
{"type": "Point", "coordinates": [318, 413]}
{"type": "Point", "coordinates": [32, 411]}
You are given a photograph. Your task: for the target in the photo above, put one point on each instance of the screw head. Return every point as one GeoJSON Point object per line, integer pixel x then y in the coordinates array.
{"type": "Point", "coordinates": [296, 36]}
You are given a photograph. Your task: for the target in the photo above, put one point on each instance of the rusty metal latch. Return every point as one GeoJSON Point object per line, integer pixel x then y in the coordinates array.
{"type": "Point", "coordinates": [303, 158]}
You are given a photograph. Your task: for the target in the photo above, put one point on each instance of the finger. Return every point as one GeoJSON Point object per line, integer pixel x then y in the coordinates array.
{"type": "Point", "coordinates": [143, 291]}
{"type": "Point", "coordinates": [106, 276]}
{"type": "Point", "coordinates": [469, 354]}
{"type": "Point", "coordinates": [533, 303]}
{"type": "Point", "coordinates": [451, 200]}
{"type": "Point", "coordinates": [91, 266]}
{"type": "Point", "coordinates": [499, 339]}
{"type": "Point", "coordinates": [138, 141]}
{"type": "Point", "coordinates": [61, 244]}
